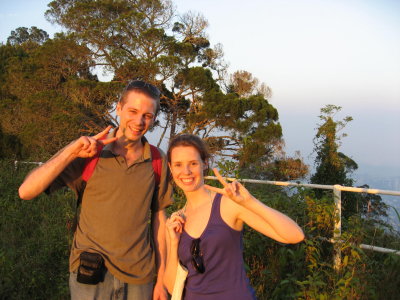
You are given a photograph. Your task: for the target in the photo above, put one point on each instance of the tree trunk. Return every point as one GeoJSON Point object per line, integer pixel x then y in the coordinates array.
{"type": "Point", "coordinates": [174, 120]}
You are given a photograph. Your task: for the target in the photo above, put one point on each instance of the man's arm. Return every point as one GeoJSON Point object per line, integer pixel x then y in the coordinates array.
{"type": "Point", "coordinates": [40, 178]}
{"type": "Point", "coordinates": [160, 251]}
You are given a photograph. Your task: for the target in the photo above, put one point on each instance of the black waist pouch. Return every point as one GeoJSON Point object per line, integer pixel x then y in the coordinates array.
{"type": "Point", "coordinates": [91, 268]}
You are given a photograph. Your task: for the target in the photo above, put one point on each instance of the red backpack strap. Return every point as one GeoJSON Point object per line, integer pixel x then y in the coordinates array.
{"type": "Point", "coordinates": [156, 161]}
{"type": "Point", "coordinates": [90, 164]}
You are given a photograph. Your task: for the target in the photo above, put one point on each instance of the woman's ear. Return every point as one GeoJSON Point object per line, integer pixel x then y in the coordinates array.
{"type": "Point", "coordinates": [205, 168]}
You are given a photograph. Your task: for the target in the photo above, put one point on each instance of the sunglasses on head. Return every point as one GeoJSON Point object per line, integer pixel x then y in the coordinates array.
{"type": "Point", "coordinates": [144, 86]}
{"type": "Point", "coordinates": [197, 256]}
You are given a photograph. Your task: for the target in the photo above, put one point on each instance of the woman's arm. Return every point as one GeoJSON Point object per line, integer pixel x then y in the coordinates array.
{"type": "Point", "coordinates": [270, 222]}
{"type": "Point", "coordinates": [159, 222]}
{"type": "Point", "coordinates": [257, 215]}
{"type": "Point", "coordinates": [174, 227]}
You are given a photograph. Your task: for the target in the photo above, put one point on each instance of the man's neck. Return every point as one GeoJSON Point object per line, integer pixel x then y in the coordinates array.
{"type": "Point", "coordinates": [128, 148]}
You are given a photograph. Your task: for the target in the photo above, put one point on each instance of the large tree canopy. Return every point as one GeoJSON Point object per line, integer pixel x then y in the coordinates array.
{"type": "Point", "coordinates": [49, 92]}
{"type": "Point", "coordinates": [145, 39]}
{"type": "Point", "coordinates": [48, 95]}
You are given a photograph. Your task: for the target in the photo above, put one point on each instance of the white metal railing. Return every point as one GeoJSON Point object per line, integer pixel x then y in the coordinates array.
{"type": "Point", "coordinates": [16, 162]}
{"type": "Point", "coordinates": [337, 191]}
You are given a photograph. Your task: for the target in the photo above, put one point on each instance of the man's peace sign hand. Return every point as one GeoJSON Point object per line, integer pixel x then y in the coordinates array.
{"type": "Point", "coordinates": [87, 146]}
{"type": "Point", "coordinates": [234, 190]}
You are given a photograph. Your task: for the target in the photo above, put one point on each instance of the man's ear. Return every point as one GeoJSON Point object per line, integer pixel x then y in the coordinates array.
{"type": "Point", "coordinates": [118, 108]}
{"type": "Point", "coordinates": [154, 122]}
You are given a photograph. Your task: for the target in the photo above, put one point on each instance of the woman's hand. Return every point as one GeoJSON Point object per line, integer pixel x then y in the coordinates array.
{"type": "Point", "coordinates": [174, 226]}
{"type": "Point", "coordinates": [234, 190]}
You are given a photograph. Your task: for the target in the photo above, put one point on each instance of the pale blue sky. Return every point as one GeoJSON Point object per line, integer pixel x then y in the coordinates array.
{"type": "Point", "coordinates": [311, 53]}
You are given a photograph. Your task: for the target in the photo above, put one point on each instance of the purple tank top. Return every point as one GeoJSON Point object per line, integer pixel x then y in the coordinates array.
{"type": "Point", "coordinates": [222, 249]}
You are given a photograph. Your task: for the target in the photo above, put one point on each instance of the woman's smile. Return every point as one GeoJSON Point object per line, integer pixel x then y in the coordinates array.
{"type": "Point", "coordinates": [187, 168]}
{"type": "Point", "coordinates": [187, 180]}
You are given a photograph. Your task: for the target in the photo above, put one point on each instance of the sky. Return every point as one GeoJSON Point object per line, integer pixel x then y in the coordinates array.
{"type": "Point", "coordinates": [310, 53]}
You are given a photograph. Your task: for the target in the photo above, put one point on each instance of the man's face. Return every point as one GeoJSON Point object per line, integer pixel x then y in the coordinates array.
{"type": "Point", "coordinates": [137, 115]}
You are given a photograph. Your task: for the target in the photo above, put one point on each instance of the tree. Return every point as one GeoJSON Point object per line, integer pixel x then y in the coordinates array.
{"type": "Point", "coordinates": [331, 166]}
{"type": "Point", "coordinates": [142, 39]}
{"type": "Point", "coordinates": [334, 167]}
{"type": "Point", "coordinates": [23, 35]}
{"type": "Point", "coordinates": [244, 84]}
{"type": "Point", "coordinates": [10, 145]}
{"type": "Point", "coordinates": [49, 96]}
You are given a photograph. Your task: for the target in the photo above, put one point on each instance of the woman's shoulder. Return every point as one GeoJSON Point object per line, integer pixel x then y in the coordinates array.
{"type": "Point", "coordinates": [230, 211]}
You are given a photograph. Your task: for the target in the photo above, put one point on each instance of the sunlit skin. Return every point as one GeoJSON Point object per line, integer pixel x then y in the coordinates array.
{"type": "Point", "coordinates": [238, 206]}
{"type": "Point", "coordinates": [187, 168]}
{"type": "Point", "coordinates": [137, 115]}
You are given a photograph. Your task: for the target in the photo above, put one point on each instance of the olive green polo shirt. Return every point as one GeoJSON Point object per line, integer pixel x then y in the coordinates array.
{"type": "Point", "coordinates": [115, 212]}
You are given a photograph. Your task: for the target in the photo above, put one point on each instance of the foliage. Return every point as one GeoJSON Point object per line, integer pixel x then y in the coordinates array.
{"type": "Point", "coordinates": [35, 239]}
{"type": "Point", "coordinates": [306, 271]}
{"type": "Point", "coordinates": [48, 90]}
{"type": "Point", "coordinates": [23, 35]}
{"type": "Point", "coordinates": [150, 41]}
{"type": "Point", "coordinates": [48, 94]}
{"type": "Point", "coordinates": [10, 146]}
{"type": "Point", "coordinates": [244, 84]}
{"type": "Point", "coordinates": [333, 167]}
{"type": "Point", "coordinates": [281, 168]}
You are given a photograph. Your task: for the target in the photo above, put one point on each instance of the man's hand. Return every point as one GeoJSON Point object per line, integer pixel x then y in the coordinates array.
{"type": "Point", "coordinates": [159, 292]}
{"type": "Point", "coordinates": [40, 178]}
{"type": "Point", "coordinates": [87, 146]}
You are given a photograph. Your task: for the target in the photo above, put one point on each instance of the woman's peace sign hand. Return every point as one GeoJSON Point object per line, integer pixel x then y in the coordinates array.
{"type": "Point", "coordinates": [234, 190]}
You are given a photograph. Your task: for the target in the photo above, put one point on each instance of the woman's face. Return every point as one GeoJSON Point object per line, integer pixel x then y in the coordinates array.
{"type": "Point", "coordinates": [187, 168]}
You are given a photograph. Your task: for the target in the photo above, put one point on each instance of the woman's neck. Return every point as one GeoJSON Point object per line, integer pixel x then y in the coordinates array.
{"type": "Point", "coordinates": [198, 198]}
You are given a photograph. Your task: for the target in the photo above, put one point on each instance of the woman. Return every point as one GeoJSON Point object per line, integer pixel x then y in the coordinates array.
{"type": "Point", "coordinates": [206, 235]}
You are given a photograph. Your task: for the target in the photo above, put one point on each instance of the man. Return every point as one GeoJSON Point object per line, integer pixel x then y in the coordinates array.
{"type": "Point", "coordinates": [113, 228]}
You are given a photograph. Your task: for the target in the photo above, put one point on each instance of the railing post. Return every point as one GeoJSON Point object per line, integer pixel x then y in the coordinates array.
{"type": "Point", "coordinates": [337, 196]}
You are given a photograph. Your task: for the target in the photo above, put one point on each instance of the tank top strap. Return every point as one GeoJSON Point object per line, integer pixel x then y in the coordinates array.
{"type": "Point", "coordinates": [215, 217]}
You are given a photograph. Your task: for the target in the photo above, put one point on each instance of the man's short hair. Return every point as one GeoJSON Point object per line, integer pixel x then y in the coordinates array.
{"type": "Point", "coordinates": [142, 87]}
